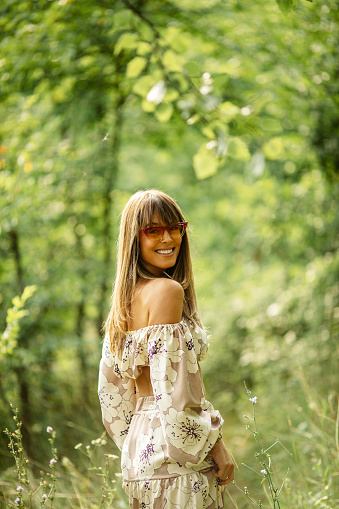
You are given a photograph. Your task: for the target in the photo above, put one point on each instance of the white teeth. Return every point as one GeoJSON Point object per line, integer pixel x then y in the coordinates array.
{"type": "Point", "coordinates": [165, 251]}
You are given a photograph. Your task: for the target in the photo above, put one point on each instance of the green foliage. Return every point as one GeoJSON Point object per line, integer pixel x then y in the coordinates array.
{"type": "Point", "coordinates": [8, 338]}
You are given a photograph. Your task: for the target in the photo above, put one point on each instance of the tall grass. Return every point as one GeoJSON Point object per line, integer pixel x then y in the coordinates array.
{"type": "Point", "coordinates": [307, 448]}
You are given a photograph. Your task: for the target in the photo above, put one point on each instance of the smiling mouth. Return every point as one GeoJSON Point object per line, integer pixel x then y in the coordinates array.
{"type": "Point", "coordinates": [165, 251]}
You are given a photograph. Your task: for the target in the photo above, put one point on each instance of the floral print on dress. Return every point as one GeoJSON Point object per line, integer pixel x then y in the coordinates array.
{"type": "Point", "coordinates": [166, 438]}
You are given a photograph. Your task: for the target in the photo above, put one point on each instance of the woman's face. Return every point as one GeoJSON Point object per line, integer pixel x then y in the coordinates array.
{"type": "Point", "coordinates": [161, 255]}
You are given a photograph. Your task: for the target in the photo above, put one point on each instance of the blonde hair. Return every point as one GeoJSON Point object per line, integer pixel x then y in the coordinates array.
{"type": "Point", "coordinates": [137, 214]}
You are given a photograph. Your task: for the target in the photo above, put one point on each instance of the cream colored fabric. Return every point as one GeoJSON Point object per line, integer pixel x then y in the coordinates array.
{"type": "Point", "coordinates": [165, 439]}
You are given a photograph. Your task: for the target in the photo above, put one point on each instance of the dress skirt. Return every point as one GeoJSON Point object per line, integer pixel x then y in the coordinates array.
{"type": "Point", "coordinates": [152, 479]}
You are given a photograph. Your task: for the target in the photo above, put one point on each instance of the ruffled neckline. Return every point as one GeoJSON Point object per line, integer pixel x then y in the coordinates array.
{"type": "Point", "coordinates": [128, 362]}
{"type": "Point", "coordinates": [155, 326]}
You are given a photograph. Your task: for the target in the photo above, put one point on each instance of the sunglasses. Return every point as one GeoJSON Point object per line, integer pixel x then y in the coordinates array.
{"type": "Point", "coordinates": [156, 233]}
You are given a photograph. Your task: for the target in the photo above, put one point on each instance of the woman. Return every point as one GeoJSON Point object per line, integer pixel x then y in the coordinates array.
{"type": "Point", "coordinates": [150, 384]}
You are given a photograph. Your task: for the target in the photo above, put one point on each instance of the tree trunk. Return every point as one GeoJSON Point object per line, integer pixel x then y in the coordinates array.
{"type": "Point", "coordinates": [22, 372]}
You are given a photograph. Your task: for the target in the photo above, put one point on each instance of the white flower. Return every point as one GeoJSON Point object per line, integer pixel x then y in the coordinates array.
{"type": "Point", "coordinates": [17, 500]}
{"type": "Point", "coordinates": [52, 461]}
{"type": "Point", "coordinates": [263, 472]}
{"type": "Point", "coordinates": [19, 488]}
{"type": "Point", "coordinates": [78, 446]}
{"type": "Point", "coordinates": [254, 399]}
{"type": "Point", "coordinates": [110, 399]}
{"type": "Point", "coordinates": [44, 496]}
{"type": "Point", "coordinates": [187, 430]}
{"type": "Point", "coordinates": [49, 429]}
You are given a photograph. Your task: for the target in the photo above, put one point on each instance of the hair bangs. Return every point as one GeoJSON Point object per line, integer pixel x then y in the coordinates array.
{"type": "Point", "coordinates": [157, 206]}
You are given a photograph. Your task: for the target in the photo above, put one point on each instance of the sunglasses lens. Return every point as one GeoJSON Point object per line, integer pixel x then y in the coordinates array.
{"type": "Point", "coordinates": [153, 233]}
{"type": "Point", "coordinates": [176, 231]}
{"type": "Point", "coordinates": [156, 233]}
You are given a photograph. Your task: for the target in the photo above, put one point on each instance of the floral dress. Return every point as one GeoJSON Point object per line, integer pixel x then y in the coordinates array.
{"type": "Point", "coordinates": [164, 439]}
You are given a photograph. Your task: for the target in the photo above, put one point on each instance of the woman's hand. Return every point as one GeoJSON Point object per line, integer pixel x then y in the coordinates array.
{"type": "Point", "coordinates": [224, 468]}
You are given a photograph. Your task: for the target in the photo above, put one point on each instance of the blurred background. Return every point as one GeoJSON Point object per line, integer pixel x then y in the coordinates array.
{"type": "Point", "coordinates": [230, 107]}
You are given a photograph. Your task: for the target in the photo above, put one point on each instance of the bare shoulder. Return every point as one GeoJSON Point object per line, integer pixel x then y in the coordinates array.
{"type": "Point", "coordinates": [163, 285]}
{"type": "Point", "coordinates": [164, 300]}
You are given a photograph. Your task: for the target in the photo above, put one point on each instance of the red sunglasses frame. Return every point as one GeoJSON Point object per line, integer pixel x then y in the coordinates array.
{"type": "Point", "coordinates": [163, 228]}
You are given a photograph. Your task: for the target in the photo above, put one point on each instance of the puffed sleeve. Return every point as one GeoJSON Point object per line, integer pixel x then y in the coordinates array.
{"type": "Point", "coordinates": [191, 425]}
{"type": "Point", "coordinates": [117, 397]}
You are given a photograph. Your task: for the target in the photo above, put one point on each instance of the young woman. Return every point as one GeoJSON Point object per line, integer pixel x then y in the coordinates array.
{"type": "Point", "coordinates": [150, 384]}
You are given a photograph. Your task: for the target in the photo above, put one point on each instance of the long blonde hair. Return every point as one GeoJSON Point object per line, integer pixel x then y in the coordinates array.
{"type": "Point", "coordinates": [137, 214]}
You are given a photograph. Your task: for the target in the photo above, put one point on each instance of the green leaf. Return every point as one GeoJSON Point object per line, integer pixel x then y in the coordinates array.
{"type": "Point", "coordinates": [164, 112]}
{"type": "Point", "coordinates": [28, 292]}
{"type": "Point", "coordinates": [193, 69]}
{"type": "Point", "coordinates": [17, 302]}
{"type": "Point", "coordinates": [286, 5]}
{"type": "Point", "coordinates": [144, 48]}
{"type": "Point", "coordinates": [172, 61]}
{"type": "Point", "coordinates": [273, 149]}
{"type": "Point", "coordinates": [147, 106]}
{"type": "Point", "coordinates": [237, 149]}
{"type": "Point", "coordinates": [127, 41]}
{"type": "Point", "coordinates": [143, 85]}
{"type": "Point", "coordinates": [228, 110]}
{"type": "Point", "coordinates": [176, 39]}
{"type": "Point", "coordinates": [270, 124]}
{"type": "Point", "coordinates": [135, 67]}
{"type": "Point", "coordinates": [205, 163]}
{"type": "Point", "coordinates": [171, 95]}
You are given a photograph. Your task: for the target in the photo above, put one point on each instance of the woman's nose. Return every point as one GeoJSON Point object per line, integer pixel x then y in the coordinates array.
{"type": "Point", "coordinates": [166, 236]}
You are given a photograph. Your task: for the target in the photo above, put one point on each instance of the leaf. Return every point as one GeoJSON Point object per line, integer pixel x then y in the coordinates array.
{"type": "Point", "coordinates": [126, 41]}
{"type": "Point", "coordinates": [193, 69]}
{"type": "Point", "coordinates": [271, 124]}
{"type": "Point", "coordinates": [286, 5]}
{"type": "Point", "coordinates": [205, 163]}
{"type": "Point", "coordinates": [176, 39]}
{"type": "Point", "coordinates": [172, 61]}
{"type": "Point", "coordinates": [135, 67]}
{"type": "Point", "coordinates": [273, 149]}
{"type": "Point", "coordinates": [171, 95]}
{"type": "Point", "coordinates": [28, 292]}
{"type": "Point", "coordinates": [143, 85]}
{"type": "Point", "coordinates": [237, 149]}
{"type": "Point", "coordinates": [147, 106]}
{"type": "Point", "coordinates": [164, 112]}
{"type": "Point", "coordinates": [144, 48]}
{"type": "Point", "coordinates": [228, 110]}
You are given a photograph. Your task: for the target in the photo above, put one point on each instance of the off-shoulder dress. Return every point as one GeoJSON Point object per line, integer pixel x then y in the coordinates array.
{"type": "Point", "coordinates": [164, 439]}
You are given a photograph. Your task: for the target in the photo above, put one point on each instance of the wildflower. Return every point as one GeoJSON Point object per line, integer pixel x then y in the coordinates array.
{"type": "Point", "coordinates": [254, 399]}
{"type": "Point", "coordinates": [53, 461]}
{"type": "Point", "coordinates": [44, 496]}
{"type": "Point", "coordinates": [263, 472]}
{"type": "Point", "coordinates": [78, 446]}
{"type": "Point", "coordinates": [19, 488]}
{"type": "Point", "coordinates": [17, 500]}
{"type": "Point", "coordinates": [245, 490]}
{"type": "Point", "coordinates": [49, 429]}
